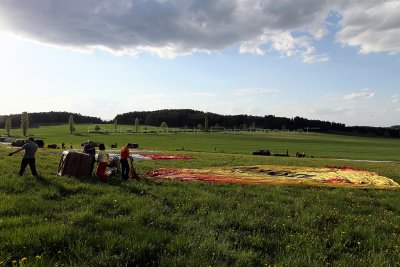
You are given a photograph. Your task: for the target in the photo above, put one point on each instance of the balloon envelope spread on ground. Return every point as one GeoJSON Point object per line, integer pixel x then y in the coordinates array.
{"type": "Point", "coordinates": [279, 175]}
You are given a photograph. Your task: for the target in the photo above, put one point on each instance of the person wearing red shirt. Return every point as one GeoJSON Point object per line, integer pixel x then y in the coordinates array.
{"type": "Point", "coordinates": [124, 155]}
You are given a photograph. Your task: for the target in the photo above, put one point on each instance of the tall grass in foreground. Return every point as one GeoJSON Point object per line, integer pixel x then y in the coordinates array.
{"type": "Point", "coordinates": [52, 220]}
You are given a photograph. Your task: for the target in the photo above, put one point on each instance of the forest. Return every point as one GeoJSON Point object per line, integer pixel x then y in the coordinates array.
{"type": "Point", "coordinates": [48, 118]}
{"type": "Point", "coordinates": [188, 118]}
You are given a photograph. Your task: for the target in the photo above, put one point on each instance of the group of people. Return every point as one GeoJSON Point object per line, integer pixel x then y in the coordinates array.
{"type": "Point", "coordinates": [89, 148]}
{"type": "Point", "coordinates": [103, 160]}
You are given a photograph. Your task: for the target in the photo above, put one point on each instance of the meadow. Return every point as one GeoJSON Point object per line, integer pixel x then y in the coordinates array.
{"type": "Point", "coordinates": [64, 221]}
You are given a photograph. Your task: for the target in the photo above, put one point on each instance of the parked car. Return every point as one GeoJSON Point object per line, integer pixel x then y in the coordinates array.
{"type": "Point", "coordinates": [114, 145]}
{"type": "Point", "coordinates": [54, 146]}
{"type": "Point", "coordinates": [39, 142]}
{"type": "Point", "coordinates": [262, 152]}
{"type": "Point", "coordinates": [18, 143]}
{"type": "Point", "coordinates": [5, 140]}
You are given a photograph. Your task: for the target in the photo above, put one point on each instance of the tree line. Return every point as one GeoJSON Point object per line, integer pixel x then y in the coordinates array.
{"type": "Point", "coordinates": [188, 118]}
{"type": "Point", "coordinates": [192, 119]}
{"type": "Point", "coordinates": [43, 118]}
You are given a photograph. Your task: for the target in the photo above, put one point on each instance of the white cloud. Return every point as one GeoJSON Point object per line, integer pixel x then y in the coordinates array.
{"type": "Point", "coordinates": [205, 94]}
{"type": "Point", "coordinates": [333, 111]}
{"type": "Point", "coordinates": [254, 91]}
{"type": "Point", "coordinates": [394, 99]}
{"type": "Point", "coordinates": [286, 45]}
{"type": "Point", "coordinates": [362, 94]}
{"type": "Point", "coordinates": [373, 26]}
{"type": "Point", "coordinates": [169, 28]}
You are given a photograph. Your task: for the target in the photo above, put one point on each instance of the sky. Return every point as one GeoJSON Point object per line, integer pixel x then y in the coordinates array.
{"type": "Point", "coordinates": [336, 60]}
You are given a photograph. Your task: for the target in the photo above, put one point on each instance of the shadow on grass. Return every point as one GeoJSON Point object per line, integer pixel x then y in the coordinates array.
{"type": "Point", "coordinates": [44, 181]}
{"type": "Point", "coordinates": [88, 179]}
{"type": "Point", "coordinates": [132, 186]}
{"type": "Point", "coordinates": [79, 134]}
{"type": "Point", "coordinates": [112, 181]}
{"type": "Point", "coordinates": [101, 133]}
{"type": "Point", "coordinates": [62, 190]}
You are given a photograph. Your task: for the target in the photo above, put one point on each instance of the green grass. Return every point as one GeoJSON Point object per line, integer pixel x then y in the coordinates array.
{"type": "Point", "coordinates": [53, 220]}
{"type": "Point", "coordinates": [317, 145]}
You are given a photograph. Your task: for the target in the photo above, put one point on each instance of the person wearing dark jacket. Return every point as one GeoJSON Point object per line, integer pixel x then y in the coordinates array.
{"type": "Point", "coordinates": [29, 157]}
{"type": "Point", "coordinates": [90, 149]}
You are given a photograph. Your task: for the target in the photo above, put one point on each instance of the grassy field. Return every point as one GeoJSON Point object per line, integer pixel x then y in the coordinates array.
{"type": "Point", "coordinates": [52, 220]}
{"type": "Point", "coordinates": [317, 145]}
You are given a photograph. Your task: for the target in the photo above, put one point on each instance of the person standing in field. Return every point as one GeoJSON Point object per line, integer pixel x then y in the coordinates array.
{"type": "Point", "coordinates": [29, 157]}
{"type": "Point", "coordinates": [102, 163]}
{"type": "Point", "coordinates": [124, 155]}
{"type": "Point", "coordinates": [90, 149]}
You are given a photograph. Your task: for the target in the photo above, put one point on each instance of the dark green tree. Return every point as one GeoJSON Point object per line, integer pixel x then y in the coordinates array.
{"type": "Point", "coordinates": [71, 124]}
{"type": "Point", "coordinates": [137, 124]}
{"type": "Point", "coordinates": [24, 123]}
{"type": "Point", "coordinates": [163, 125]}
{"type": "Point", "coordinates": [115, 125]}
{"type": "Point", "coordinates": [8, 126]}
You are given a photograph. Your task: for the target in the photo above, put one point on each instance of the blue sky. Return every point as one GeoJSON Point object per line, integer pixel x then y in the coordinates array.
{"type": "Point", "coordinates": [328, 60]}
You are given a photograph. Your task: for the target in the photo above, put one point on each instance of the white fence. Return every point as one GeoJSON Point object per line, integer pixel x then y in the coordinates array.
{"type": "Point", "coordinates": [158, 130]}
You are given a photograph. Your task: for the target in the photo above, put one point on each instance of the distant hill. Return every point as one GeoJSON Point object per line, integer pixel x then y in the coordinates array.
{"type": "Point", "coordinates": [182, 118]}
{"type": "Point", "coordinates": [192, 118]}
{"type": "Point", "coordinates": [52, 117]}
